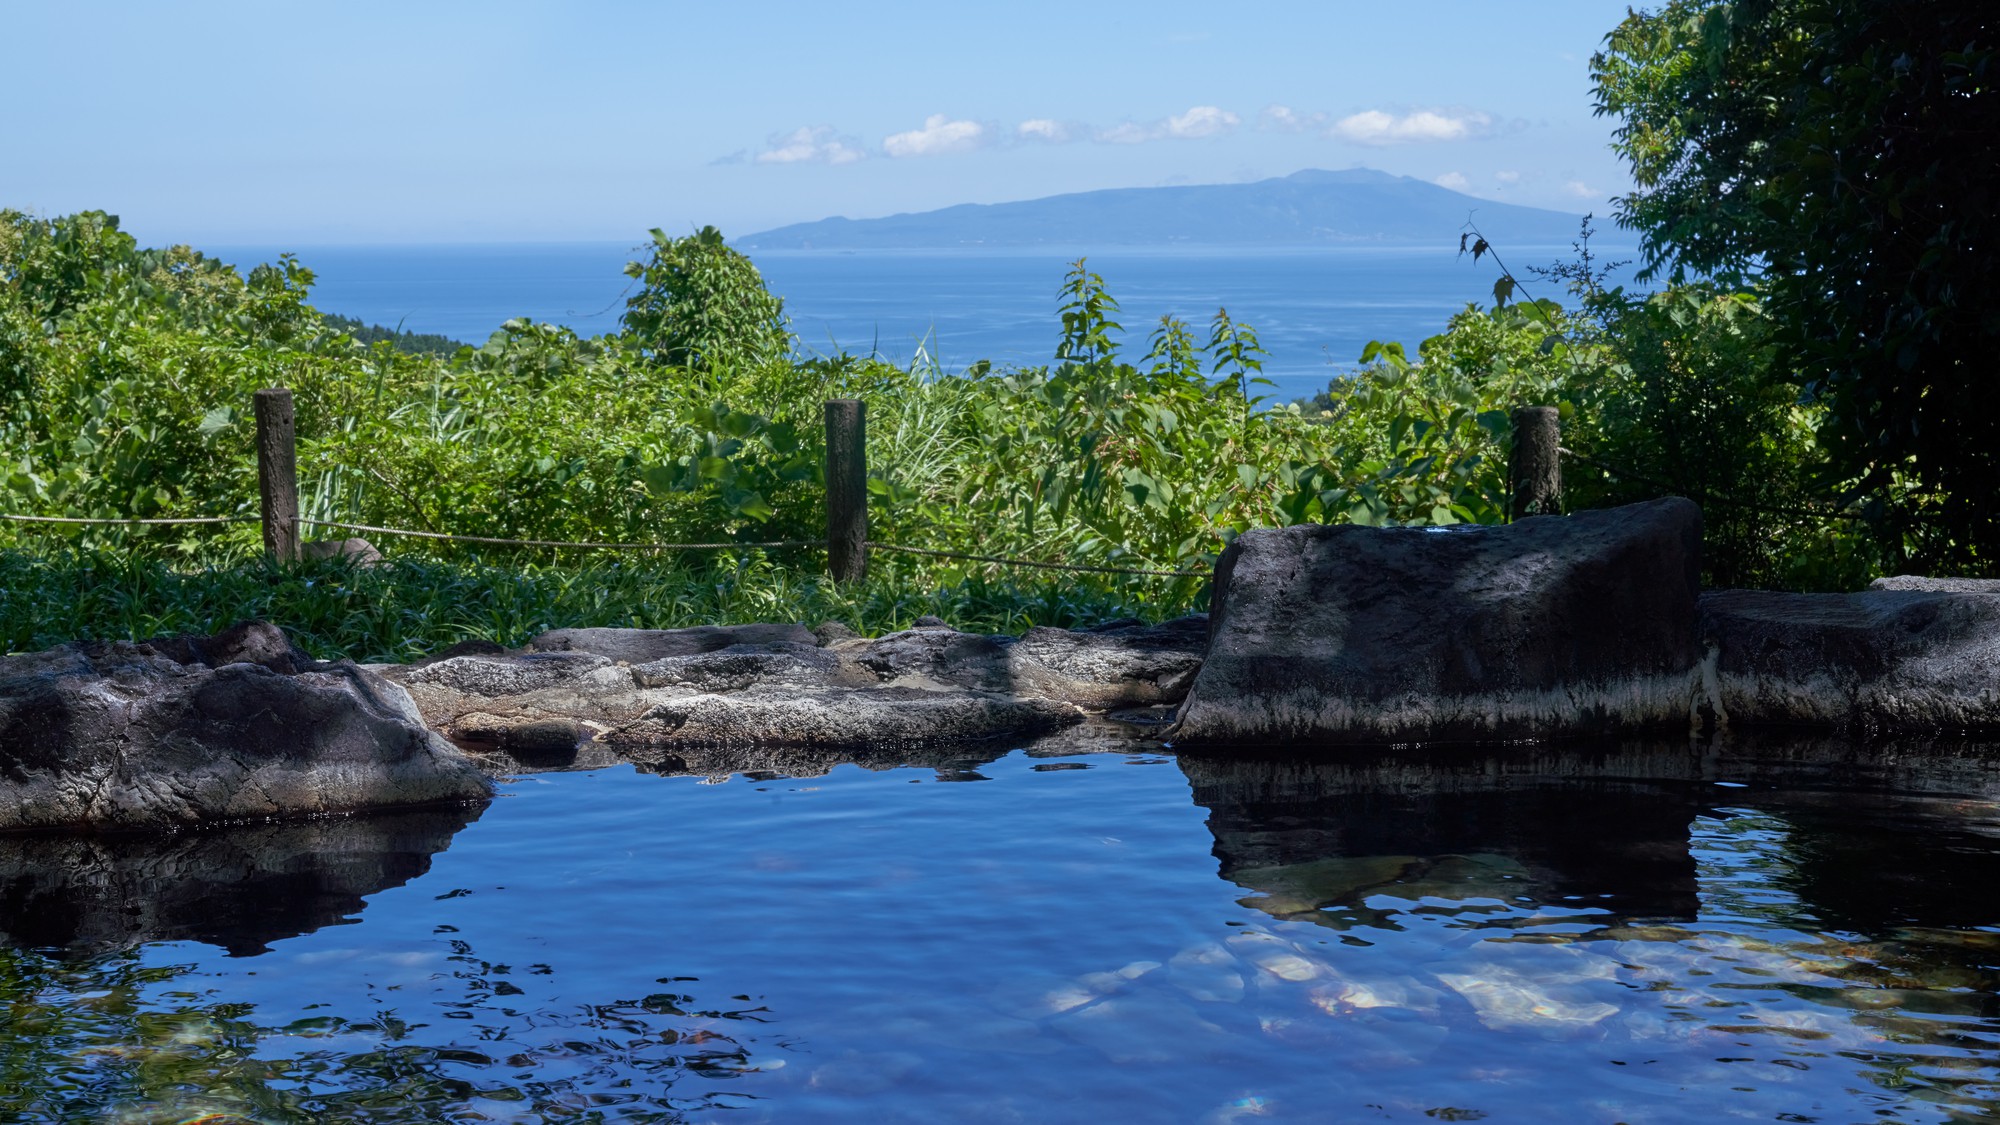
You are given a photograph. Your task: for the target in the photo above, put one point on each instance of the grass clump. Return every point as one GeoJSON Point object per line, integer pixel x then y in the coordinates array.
{"type": "Point", "coordinates": [410, 607]}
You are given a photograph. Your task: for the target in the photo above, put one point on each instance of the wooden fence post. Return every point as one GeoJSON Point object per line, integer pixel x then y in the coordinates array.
{"type": "Point", "coordinates": [278, 473]}
{"type": "Point", "coordinates": [1534, 469]}
{"type": "Point", "coordinates": [846, 489]}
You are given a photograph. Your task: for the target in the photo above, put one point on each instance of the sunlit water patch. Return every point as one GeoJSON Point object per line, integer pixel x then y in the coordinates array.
{"type": "Point", "coordinates": [1638, 933]}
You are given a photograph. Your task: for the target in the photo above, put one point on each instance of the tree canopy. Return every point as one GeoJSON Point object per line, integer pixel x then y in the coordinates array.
{"type": "Point", "coordinates": [702, 305]}
{"type": "Point", "coordinates": [1842, 155]}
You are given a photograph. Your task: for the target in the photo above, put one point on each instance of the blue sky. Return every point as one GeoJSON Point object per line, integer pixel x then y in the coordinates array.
{"type": "Point", "coordinates": [497, 121]}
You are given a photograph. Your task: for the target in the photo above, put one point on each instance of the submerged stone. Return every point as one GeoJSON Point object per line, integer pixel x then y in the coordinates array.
{"type": "Point", "coordinates": [1544, 999]}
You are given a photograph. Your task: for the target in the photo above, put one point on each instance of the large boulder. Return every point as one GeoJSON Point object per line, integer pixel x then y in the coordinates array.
{"type": "Point", "coordinates": [238, 726]}
{"type": "Point", "coordinates": [776, 685]}
{"type": "Point", "coordinates": [1555, 625]}
{"type": "Point", "coordinates": [1912, 654]}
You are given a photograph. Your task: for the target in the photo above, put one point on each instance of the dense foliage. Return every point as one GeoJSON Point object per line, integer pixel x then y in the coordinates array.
{"type": "Point", "coordinates": [417, 342]}
{"type": "Point", "coordinates": [126, 376]}
{"type": "Point", "coordinates": [412, 606]}
{"type": "Point", "coordinates": [1839, 156]}
{"type": "Point", "coordinates": [132, 371]}
{"type": "Point", "coordinates": [702, 306]}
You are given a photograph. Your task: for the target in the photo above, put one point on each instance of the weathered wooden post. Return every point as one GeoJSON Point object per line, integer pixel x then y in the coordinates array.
{"type": "Point", "coordinates": [278, 473]}
{"type": "Point", "coordinates": [846, 489]}
{"type": "Point", "coordinates": [1534, 470]}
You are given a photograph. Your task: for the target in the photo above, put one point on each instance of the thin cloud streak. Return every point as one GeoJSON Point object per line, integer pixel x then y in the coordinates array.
{"type": "Point", "coordinates": [1376, 128]}
{"type": "Point", "coordinates": [1199, 122]}
{"type": "Point", "coordinates": [939, 136]}
{"type": "Point", "coordinates": [1285, 119]}
{"type": "Point", "coordinates": [1046, 131]}
{"type": "Point", "coordinates": [942, 135]}
{"type": "Point", "coordinates": [807, 144]}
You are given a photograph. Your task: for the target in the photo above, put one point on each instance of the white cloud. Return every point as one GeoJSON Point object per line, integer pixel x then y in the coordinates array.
{"type": "Point", "coordinates": [1128, 134]}
{"type": "Point", "coordinates": [1043, 129]}
{"type": "Point", "coordinates": [1508, 177]}
{"type": "Point", "coordinates": [940, 135]}
{"type": "Point", "coordinates": [1456, 181]}
{"type": "Point", "coordinates": [1581, 190]}
{"type": "Point", "coordinates": [810, 144]}
{"type": "Point", "coordinates": [1198, 122]}
{"type": "Point", "coordinates": [1285, 119]}
{"type": "Point", "coordinates": [1376, 128]}
{"type": "Point", "coordinates": [1202, 121]}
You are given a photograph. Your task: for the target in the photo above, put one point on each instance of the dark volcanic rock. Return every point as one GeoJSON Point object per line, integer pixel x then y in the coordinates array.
{"type": "Point", "coordinates": [842, 717]}
{"type": "Point", "coordinates": [741, 667]}
{"type": "Point", "coordinates": [246, 642]}
{"type": "Point", "coordinates": [1120, 663]}
{"type": "Point", "coordinates": [1990, 586]}
{"type": "Point", "coordinates": [777, 685]}
{"type": "Point", "coordinates": [1554, 625]}
{"type": "Point", "coordinates": [128, 737]}
{"type": "Point", "coordinates": [1911, 657]}
{"type": "Point", "coordinates": [637, 646]}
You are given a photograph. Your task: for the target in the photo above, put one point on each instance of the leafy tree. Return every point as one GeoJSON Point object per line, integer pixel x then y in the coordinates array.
{"type": "Point", "coordinates": [703, 306]}
{"type": "Point", "coordinates": [1685, 404]}
{"type": "Point", "coordinates": [1840, 154]}
{"type": "Point", "coordinates": [414, 343]}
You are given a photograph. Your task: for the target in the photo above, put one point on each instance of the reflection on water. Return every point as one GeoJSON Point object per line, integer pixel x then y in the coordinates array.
{"type": "Point", "coordinates": [1317, 839]}
{"type": "Point", "coordinates": [1636, 932]}
{"type": "Point", "coordinates": [1739, 939]}
{"type": "Point", "coordinates": [238, 888]}
{"type": "Point", "coordinates": [118, 1039]}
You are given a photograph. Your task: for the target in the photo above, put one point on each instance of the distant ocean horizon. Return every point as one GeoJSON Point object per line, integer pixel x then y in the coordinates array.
{"type": "Point", "coordinates": [1314, 308]}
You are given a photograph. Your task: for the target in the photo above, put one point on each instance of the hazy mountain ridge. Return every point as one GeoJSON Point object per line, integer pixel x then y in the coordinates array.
{"type": "Point", "coordinates": [1306, 208]}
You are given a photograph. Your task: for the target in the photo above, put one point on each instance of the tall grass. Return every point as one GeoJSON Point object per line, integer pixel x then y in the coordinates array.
{"type": "Point", "coordinates": [408, 607]}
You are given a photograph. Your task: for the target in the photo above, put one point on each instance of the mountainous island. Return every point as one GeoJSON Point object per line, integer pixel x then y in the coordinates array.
{"type": "Point", "coordinates": [1309, 208]}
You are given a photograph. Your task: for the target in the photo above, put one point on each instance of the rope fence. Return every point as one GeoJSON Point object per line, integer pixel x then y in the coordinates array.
{"type": "Point", "coordinates": [871, 545]}
{"type": "Point", "coordinates": [562, 543]}
{"type": "Point", "coordinates": [1534, 487]}
{"type": "Point", "coordinates": [1081, 567]}
{"type": "Point", "coordinates": [165, 522]}
{"type": "Point", "coordinates": [847, 543]}
{"type": "Point", "coordinates": [1779, 511]}
{"type": "Point", "coordinates": [1534, 478]}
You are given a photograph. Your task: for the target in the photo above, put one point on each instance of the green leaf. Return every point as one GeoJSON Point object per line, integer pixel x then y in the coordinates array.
{"type": "Point", "coordinates": [215, 421]}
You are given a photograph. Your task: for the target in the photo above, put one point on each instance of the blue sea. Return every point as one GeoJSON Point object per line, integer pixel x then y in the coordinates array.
{"type": "Point", "coordinates": [1314, 309]}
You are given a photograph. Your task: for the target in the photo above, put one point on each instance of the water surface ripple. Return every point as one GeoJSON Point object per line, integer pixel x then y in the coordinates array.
{"type": "Point", "coordinates": [1620, 933]}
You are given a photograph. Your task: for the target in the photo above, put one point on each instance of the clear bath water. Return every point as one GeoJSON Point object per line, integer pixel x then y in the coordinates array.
{"type": "Point", "coordinates": [1639, 932]}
